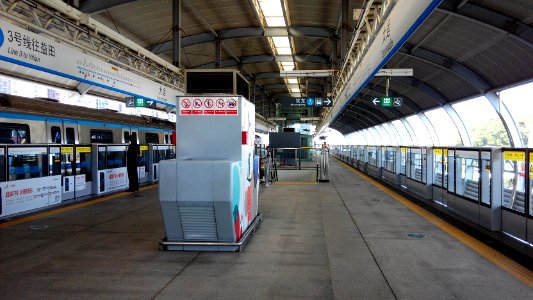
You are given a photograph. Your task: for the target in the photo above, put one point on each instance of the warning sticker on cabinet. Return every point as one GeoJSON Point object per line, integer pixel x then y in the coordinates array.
{"type": "Point", "coordinates": [208, 106]}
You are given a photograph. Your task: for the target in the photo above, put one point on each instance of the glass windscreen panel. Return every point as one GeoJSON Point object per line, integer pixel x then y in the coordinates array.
{"type": "Point", "coordinates": [405, 137]}
{"type": "Point", "coordinates": [467, 174]}
{"type": "Point", "coordinates": [514, 180]}
{"type": "Point", "coordinates": [68, 161]}
{"type": "Point", "coordinates": [84, 161]}
{"type": "Point", "coordinates": [372, 154]}
{"type": "Point", "coordinates": [403, 160]}
{"type": "Point", "coordinates": [27, 162]}
{"type": "Point", "coordinates": [445, 127]}
{"type": "Point", "coordinates": [450, 171]}
{"type": "Point", "coordinates": [164, 152]}
{"type": "Point", "coordinates": [102, 157]}
{"type": "Point", "coordinates": [486, 176]}
{"type": "Point", "coordinates": [361, 155]}
{"type": "Point", "coordinates": [484, 126]}
{"type": "Point", "coordinates": [438, 167]}
{"type": "Point", "coordinates": [521, 110]}
{"type": "Point", "coordinates": [116, 157]}
{"type": "Point", "coordinates": [417, 170]}
{"type": "Point", "coordinates": [382, 156]}
{"type": "Point", "coordinates": [421, 131]}
{"type": "Point", "coordinates": [2, 164]}
{"type": "Point", "coordinates": [390, 159]}
{"type": "Point", "coordinates": [54, 161]}
{"type": "Point", "coordinates": [143, 161]}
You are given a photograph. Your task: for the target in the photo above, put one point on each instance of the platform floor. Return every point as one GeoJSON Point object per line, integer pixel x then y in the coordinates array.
{"type": "Point", "coordinates": [344, 239]}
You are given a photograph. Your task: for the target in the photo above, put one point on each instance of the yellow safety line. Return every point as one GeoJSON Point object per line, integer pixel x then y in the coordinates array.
{"type": "Point", "coordinates": [504, 262]}
{"type": "Point", "coordinates": [295, 182]}
{"type": "Point", "coordinates": [67, 208]}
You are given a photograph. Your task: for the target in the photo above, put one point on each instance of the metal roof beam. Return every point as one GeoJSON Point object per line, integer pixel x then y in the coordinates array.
{"type": "Point", "coordinates": [447, 63]}
{"type": "Point", "coordinates": [424, 87]}
{"type": "Point", "coordinates": [254, 59]}
{"type": "Point", "coordinates": [246, 32]}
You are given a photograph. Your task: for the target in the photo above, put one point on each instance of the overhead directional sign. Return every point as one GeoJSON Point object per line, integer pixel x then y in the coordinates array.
{"type": "Point", "coordinates": [388, 101]}
{"type": "Point", "coordinates": [292, 102]}
{"type": "Point", "coordinates": [140, 102]}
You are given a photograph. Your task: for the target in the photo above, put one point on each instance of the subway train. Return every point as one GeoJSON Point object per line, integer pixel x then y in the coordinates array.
{"type": "Point", "coordinates": [52, 152]}
{"type": "Point", "coordinates": [488, 188]}
{"type": "Point", "coordinates": [42, 121]}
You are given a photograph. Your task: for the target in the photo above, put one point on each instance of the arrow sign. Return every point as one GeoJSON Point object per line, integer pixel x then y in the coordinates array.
{"type": "Point", "coordinates": [327, 102]}
{"type": "Point", "coordinates": [150, 103]}
{"type": "Point", "coordinates": [376, 101]}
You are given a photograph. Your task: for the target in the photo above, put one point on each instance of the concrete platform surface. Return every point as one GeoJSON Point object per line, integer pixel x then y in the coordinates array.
{"type": "Point", "coordinates": [344, 239]}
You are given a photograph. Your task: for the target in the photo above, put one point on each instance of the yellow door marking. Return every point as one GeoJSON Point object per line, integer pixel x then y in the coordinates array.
{"type": "Point", "coordinates": [67, 208]}
{"type": "Point", "coordinates": [502, 261]}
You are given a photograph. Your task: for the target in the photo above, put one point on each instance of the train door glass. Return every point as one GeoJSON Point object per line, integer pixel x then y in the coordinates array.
{"type": "Point", "coordinates": [116, 157]}
{"type": "Point", "coordinates": [126, 136]}
{"type": "Point", "coordinates": [70, 135]}
{"type": "Point", "coordinates": [390, 159]}
{"type": "Point", "coordinates": [445, 168]}
{"type": "Point", "coordinates": [416, 168]}
{"type": "Point", "coordinates": [102, 158]}
{"type": "Point", "coordinates": [55, 133]}
{"type": "Point", "coordinates": [403, 160]}
{"type": "Point", "coordinates": [27, 162]}
{"type": "Point", "coordinates": [514, 183]}
{"type": "Point", "coordinates": [2, 164]}
{"type": "Point", "coordinates": [486, 176]}
{"type": "Point", "coordinates": [67, 161]}
{"type": "Point", "coordinates": [84, 162]}
{"type": "Point", "coordinates": [467, 174]}
{"type": "Point", "coordinates": [144, 158]}
{"type": "Point", "coordinates": [54, 161]}
{"type": "Point", "coordinates": [438, 166]}
{"type": "Point", "coordinates": [383, 157]}
{"type": "Point", "coordinates": [372, 155]}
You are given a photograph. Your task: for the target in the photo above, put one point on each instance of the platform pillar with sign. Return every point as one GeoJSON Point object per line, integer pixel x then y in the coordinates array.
{"type": "Point", "coordinates": [208, 194]}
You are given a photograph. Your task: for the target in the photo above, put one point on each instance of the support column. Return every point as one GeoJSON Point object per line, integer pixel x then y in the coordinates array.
{"type": "Point", "coordinates": [263, 103]}
{"type": "Point", "coordinates": [176, 33]}
{"type": "Point", "coordinates": [507, 120]}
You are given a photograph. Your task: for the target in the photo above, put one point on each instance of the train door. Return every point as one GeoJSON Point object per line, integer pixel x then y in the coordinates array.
{"type": "Point", "coordinates": [514, 220]}
{"type": "Point", "coordinates": [126, 132]}
{"type": "Point", "coordinates": [54, 131]}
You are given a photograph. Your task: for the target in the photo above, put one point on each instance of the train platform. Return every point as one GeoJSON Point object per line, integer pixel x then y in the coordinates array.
{"type": "Point", "coordinates": [346, 239]}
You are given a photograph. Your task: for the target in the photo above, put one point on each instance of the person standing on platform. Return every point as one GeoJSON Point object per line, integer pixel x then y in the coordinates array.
{"type": "Point", "coordinates": [132, 157]}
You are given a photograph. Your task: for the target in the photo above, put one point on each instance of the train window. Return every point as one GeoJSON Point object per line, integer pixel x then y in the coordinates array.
{"type": "Point", "coordinates": [55, 133]}
{"type": "Point", "coordinates": [25, 163]}
{"type": "Point", "coordinates": [101, 136]}
{"type": "Point", "coordinates": [70, 135]}
{"type": "Point", "coordinates": [11, 133]}
{"type": "Point", "coordinates": [152, 138]}
{"type": "Point", "coordinates": [2, 165]}
{"type": "Point", "coordinates": [167, 139]}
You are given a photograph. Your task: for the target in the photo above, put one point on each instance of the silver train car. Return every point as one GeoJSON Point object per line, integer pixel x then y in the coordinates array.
{"type": "Point", "coordinates": [51, 152]}
{"type": "Point", "coordinates": [38, 121]}
{"type": "Point", "coordinates": [487, 188]}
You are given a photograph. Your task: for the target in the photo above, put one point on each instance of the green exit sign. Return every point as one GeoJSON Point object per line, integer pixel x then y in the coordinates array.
{"type": "Point", "coordinates": [386, 102]}
{"type": "Point", "coordinates": [140, 102]}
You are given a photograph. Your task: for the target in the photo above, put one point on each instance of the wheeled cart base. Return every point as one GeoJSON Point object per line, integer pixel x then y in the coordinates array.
{"type": "Point", "coordinates": [214, 246]}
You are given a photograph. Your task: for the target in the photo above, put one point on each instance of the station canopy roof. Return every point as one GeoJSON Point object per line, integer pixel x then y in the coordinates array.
{"type": "Point", "coordinates": [464, 49]}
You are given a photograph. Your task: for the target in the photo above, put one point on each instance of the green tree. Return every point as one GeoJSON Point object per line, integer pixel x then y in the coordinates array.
{"type": "Point", "coordinates": [490, 133]}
